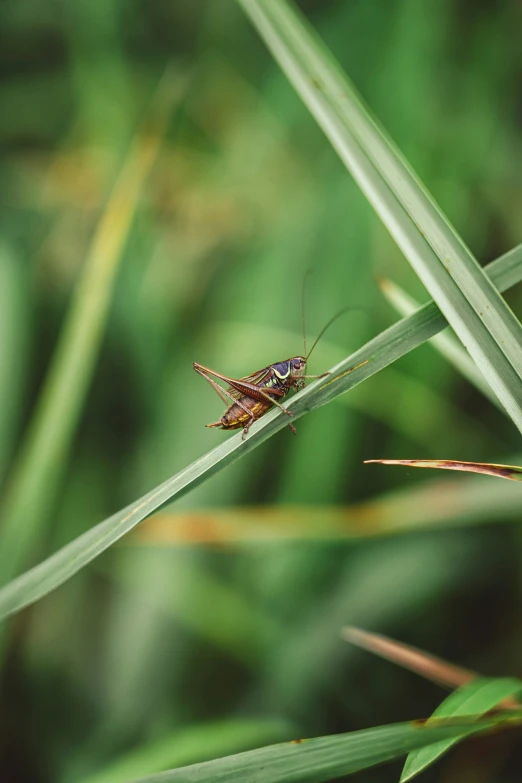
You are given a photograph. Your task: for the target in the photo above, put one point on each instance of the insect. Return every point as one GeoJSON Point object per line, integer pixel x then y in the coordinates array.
{"type": "Point", "coordinates": [251, 397]}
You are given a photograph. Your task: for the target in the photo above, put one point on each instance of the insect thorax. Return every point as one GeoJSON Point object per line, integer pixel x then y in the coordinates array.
{"type": "Point", "coordinates": [281, 376]}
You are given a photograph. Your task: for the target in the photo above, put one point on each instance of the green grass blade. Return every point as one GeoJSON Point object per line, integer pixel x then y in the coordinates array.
{"type": "Point", "coordinates": [378, 353]}
{"type": "Point", "coordinates": [42, 457]}
{"type": "Point", "coordinates": [447, 346]}
{"type": "Point", "coordinates": [477, 313]}
{"type": "Point", "coordinates": [14, 348]}
{"type": "Point", "coordinates": [206, 740]}
{"type": "Point", "coordinates": [325, 758]}
{"type": "Point", "coordinates": [475, 698]}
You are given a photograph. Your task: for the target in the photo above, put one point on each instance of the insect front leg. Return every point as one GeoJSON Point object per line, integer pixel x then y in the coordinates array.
{"type": "Point", "coordinates": [274, 402]}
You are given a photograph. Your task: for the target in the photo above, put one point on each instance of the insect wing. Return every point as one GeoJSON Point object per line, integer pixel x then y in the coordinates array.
{"type": "Point", "coordinates": [255, 391]}
{"type": "Point", "coordinates": [243, 386]}
{"type": "Point", "coordinates": [256, 379]}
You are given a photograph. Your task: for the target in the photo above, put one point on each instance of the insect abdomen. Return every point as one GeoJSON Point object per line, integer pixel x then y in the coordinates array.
{"type": "Point", "coordinates": [236, 417]}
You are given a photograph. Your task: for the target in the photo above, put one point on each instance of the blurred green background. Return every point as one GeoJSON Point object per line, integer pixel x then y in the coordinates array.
{"type": "Point", "coordinates": [168, 650]}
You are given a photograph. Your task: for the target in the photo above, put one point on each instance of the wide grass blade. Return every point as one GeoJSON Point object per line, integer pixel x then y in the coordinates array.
{"type": "Point", "coordinates": [512, 472]}
{"type": "Point", "coordinates": [42, 458]}
{"type": "Point", "coordinates": [384, 349]}
{"type": "Point", "coordinates": [476, 697]}
{"type": "Point", "coordinates": [479, 316]}
{"type": "Point", "coordinates": [325, 758]}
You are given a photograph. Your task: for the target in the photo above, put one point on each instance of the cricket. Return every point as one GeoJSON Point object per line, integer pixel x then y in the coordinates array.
{"type": "Point", "coordinates": [249, 398]}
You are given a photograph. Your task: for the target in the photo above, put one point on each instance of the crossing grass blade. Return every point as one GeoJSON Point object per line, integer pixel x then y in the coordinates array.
{"type": "Point", "coordinates": [473, 695]}
{"type": "Point", "coordinates": [326, 758]}
{"type": "Point", "coordinates": [446, 345]}
{"type": "Point", "coordinates": [477, 697]}
{"type": "Point", "coordinates": [378, 353]}
{"type": "Point", "coordinates": [480, 317]}
{"type": "Point", "coordinates": [512, 472]}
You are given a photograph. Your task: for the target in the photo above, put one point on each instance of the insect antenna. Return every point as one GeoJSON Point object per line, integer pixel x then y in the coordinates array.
{"type": "Point", "coordinates": [303, 291]}
{"type": "Point", "coordinates": [325, 328]}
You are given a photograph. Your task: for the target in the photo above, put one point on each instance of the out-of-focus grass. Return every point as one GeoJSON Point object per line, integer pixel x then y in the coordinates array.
{"type": "Point", "coordinates": [15, 320]}
{"type": "Point", "coordinates": [246, 196]}
{"type": "Point", "coordinates": [218, 738]}
{"type": "Point", "coordinates": [433, 504]}
{"type": "Point", "coordinates": [42, 460]}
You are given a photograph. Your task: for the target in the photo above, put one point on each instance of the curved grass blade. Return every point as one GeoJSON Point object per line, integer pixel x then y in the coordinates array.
{"type": "Point", "coordinates": [479, 316]}
{"type": "Point", "coordinates": [512, 472]}
{"type": "Point", "coordinates": [42, 457]}
{"type": "Point", "coordinates": [475, 698]}
{"type": "Point", "coordinates": [446, 344]}
{"type": "Point", "coordinates": [384, 349]}
{"type": "Point", "coordinates": [325, 758]}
